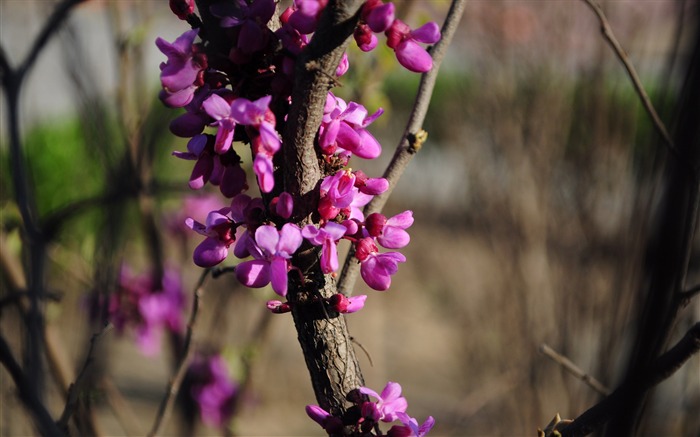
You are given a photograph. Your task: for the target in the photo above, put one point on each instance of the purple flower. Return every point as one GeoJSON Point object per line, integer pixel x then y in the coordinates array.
{"type": "Point", "coordinates": [339, 194]}
{"type": "Point", "coordinates": [328, 422]}
{"type": "Point", "coordinates": [346, 305]}
{"type": "Point", "coordinates": [282, 205]}
{"type": "Point", "coordinates": [390, 233]}
{"type": "Point", "coordinates": [265, 141]}
{"type": "Point", "coordinates": [222, 170]}
{"type": "Point", "coordinates": [272, 250]}
{"type": "Point", "coordinates": [326, 237]}
{"type": "Point", "coordinates": [343, 127]}
{"type": "Point", "coordinates": [213, 389]}
{"type": "Point", "coordinates": [220, 110]}
{"type": "Point", "coordinates": [404, 42]}
{"type": "Point", "coordinates": [306, 15]}
{"type": "Point", "coordinates": [180, 72]}
{"type": "Point", "coordinates": [376, 268]}
{"type": "Point", "coordinates": [378, 15]}
{"type": "Point", "coordinates": [147, 307]}
{"type": "Point", "coordinates": [251, 19]}
{"type": "Point", "coordinates": [220, 233]}
{"type": "Point", "coordinates": [390, 402]}
{"type": "Point", "coordinates": [410, 427]}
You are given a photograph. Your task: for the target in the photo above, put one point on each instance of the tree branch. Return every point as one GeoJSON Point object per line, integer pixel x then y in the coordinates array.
{"type": "Point", "coordinates": [662, 368]}
{"type": "Point", "coordinates": [166, 404]}
{"type": "Point", "coordinates": [77, 387]}
{"type": "Point", "coordinates": [27, 394]}
{"type": "Point", "coordinates": [413, 136]}
{"type": "Point", "coordinates": [572, 368]}
{"type": "Point", "coordinates": [609, 36]}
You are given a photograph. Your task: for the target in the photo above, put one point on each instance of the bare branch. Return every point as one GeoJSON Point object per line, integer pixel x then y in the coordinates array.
{"type": "Point", "coordinates": [77, 387]}
{"type": "Point", "coordinates": [572, 368]}
{"type": "Point", "coordinates": [166, 404]}
{"type": "Point", "coordinates": [607, 32]}
{"type": "Point", "coordinates": [27, 393]}
{"type": "Point", "coordinates": [413, 136]}
{"type": "Point", "coordinates": [662, 368]}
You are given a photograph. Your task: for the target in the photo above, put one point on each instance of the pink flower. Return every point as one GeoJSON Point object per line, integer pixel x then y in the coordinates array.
{"type": "Point", "coordinates": [180, 72]}
{"type": "Point", "coordinates": [390, 402]}
{"type": "Point", "coordinates": [326, 236]}
{"type": "Point", "coordinates": [220, 233]}
{"type": "Point", "coordinates": [306, 15]}
{"type": "Point", "coordinates": [213, 389]}
{"type": "Point", "coordinates": [147, 307]}
{"type": "Point", "coordinates": [251, 18]}
{"type": "Point", "coordinates": [343, 126]}
{"type": "Point", "coordinates": [328, 422]}
{"type": "Point", "coordinates": [220, 110]}
{"type": "Point", "coordinates": [390, 233]}
{"type": "Point", "coordinates": [272, 250]}
{"type": "Point", "coordinates": [346, 305]}
{"type": "Point", "coordinates": [278, 307]}
{"type": "Point", "coordinates": [405, 41]}
{"type": "Point", "coordinates": [340, 194]}
{"type": "Point", "coordinates": [410, 427]}
{"type": "Point", "coordinates": [376, 268]}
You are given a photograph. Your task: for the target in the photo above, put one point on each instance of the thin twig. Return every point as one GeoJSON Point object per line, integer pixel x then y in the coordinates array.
{"type": "Point", "coordinates": [661, 369]}
{"type": "Point", "coordinates": [572, 368]}
{"type": "Point", "coordinates": [607, 32]}
{"type": "Point", "coordinates": [413, 136]}
{"type": "Point", "coordinates": [168, 400]}
{"type": "Point", "coordinates": [77, 387]}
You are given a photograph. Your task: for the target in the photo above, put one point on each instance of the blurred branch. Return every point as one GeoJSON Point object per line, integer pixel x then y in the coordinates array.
{"type": "Point", "coordinates": [664, 366]}
{"type": "Point", "coordinates": [27, 393]}
{"type": "Point", "coordinates": [688, 295]}
{"type": "Point", "coordinates": [168, 400]}
{"type": "Point", "coordinates": [75, 389]}
{"type": "Point", "coordinates": [413, 137]}
{"type": "Point", "coordinates": [572, 368]}
{"type": "Point", "coordinates": [609, 35]}
{"type": "Point", "coordinates": [18, 296]}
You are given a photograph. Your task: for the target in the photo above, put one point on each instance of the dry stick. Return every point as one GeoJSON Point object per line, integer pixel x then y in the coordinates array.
{"type": "Point", "coordinates": [662, 368]}
{"type": "Point", "coordinates": [413, 138]}
{"type": "Point", "coordinates": [607, 32]}
{"type": "Point", "coordinates": [76, 388]}
{"type": "Point", "coordinates": [572, 368]}
{"type": "Point", "coordinates": [166, 404]}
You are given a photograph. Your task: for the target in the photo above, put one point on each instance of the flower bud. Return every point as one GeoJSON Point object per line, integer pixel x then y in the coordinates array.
{"type": "Point", "coordinates": [182, 8]}
{"type": "Point", "coordinates": [375, 224]}
{"type": "Point", "coordinates": [364, 247]}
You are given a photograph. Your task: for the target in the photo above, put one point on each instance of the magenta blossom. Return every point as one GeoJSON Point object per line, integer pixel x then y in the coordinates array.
{"type": "Point", "coordinates": [213, 389]}
{"type": "Point", "coordinates": [390, 402]}
{"type": "Point", "coordinates": [343, 127]}
{"type": "Point", "coordinates": [148, 308]}
{"type": "Point", "coordinates": [328, 422]}
{"type": "Point", "coordinates": [278, 307]}
{"type": "Point", "coordinates": [346, 305]}
{"type": "Point", "coordinates": [404, 42]}
{"type": "Point", "coordinates": [220, 110]}
{"type": "Point", "coordinates": [326, 237]}
{"type": "Point", "coordinates": [220, 231]}
{"type": "Point", "coordinates": [251, 19]}
{"type": "Point", "coordinates": [376, 268]}
{"type": "Point", "coordinates": [345, 193]}
{"type": "Point", "coordinates": [390, 233]}
{"type": "Point", "coordinates": [180, 72]}
{"type": "Point", "coordinates": [272, 250]}
{"type": "Point", "coordinates": [410, 427]}
{"type": "Point", "coordinates": [306, 14]}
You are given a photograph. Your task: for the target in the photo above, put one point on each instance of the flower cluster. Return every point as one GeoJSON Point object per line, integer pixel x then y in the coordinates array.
{"type": "Point", "coordinates": [212, 389]}
{"type": "Point", "coordinates": [389, 407]}
{"type": "Point", "coordinates": [234, 83]}
{"type": "Point", "coordinates": [147, 308]}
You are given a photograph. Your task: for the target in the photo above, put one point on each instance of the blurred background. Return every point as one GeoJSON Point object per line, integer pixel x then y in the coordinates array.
{"type": "Point", "coordinates": [532, 197]}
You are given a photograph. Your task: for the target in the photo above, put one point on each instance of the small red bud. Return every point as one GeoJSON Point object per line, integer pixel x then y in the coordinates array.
{"type": "Point", "coordinates": [375, 224]}
{"type": "Point", "coordinates": [182, 8]}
